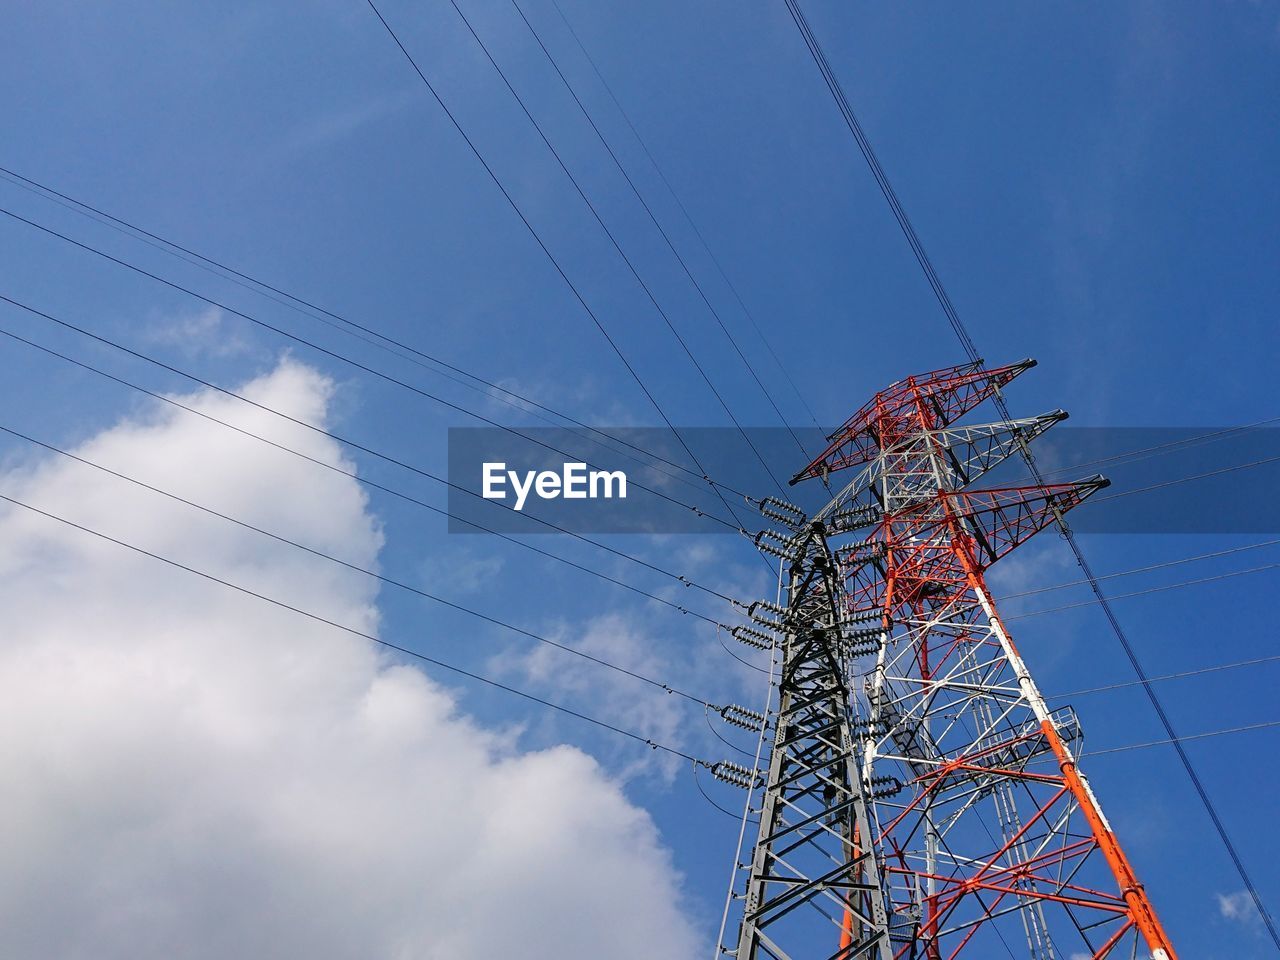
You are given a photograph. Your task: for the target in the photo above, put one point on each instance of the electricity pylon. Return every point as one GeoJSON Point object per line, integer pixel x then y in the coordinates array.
{"type": "Point", "coordinates": [922, 799]}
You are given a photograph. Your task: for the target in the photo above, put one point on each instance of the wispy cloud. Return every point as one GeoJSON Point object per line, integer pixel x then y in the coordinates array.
{"type": "Point", "coordinates": [209, 332]}
{"type": "Point", "coordinates": [460, 571]}
{"type": "Point", "coordinates": [1239, 908]}
{"type": "Point", "coordinates": [340, 123]}
{"type": "Point", "coordinates": [632, 704]}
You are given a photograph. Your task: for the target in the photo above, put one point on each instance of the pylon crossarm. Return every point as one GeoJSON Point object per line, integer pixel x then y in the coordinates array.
{"type": "Point", "coordinates": [883, 421]}
{"type": "Point", "coordinates": [915, 760]}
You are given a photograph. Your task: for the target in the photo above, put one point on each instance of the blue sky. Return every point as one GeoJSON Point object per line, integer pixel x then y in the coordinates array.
{"type": "Point", "coordinates": [1095, 184]}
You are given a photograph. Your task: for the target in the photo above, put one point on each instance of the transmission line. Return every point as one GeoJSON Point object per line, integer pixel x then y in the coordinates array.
{"type": "Point", "coordinates": [381, 375]}
{"type": "Point", "coordinates": [347, 442]}
{"type": "Point", "coordinates": [480, 678]}
{"type": "Point", "coordinates": [1159, 449]}
{"type": "Point", "coordinates": [328, 317]}
{"type": "Point", "coordinates": [1147, 569]}
{"type": "Point", "coordinates": [1142, 593]}
{"type": "Point", "coordinates": [618, 247]}
{"type": "Point", "coordinates": [666, 239]}
{"type": "Point", "coordinates": [1198, 476]}
{"type": "Point", "coordinates": [399, 584]}
{"type": "Point", "coordinates": [397, 462]}
{"type": "Point", "coordinates": [550, 256]}
{"type": "Point", "coordinates": [966, 341]}
{"type": "Point", "coordinates": [687, 216]}
{"type": "Point", "coordinates": [1182, 675]}
{"type": "Point", "coordinates": [1195, 736]}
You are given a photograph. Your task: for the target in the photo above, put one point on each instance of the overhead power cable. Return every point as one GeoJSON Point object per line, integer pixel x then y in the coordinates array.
{"type": "Point", "coordinates": [971, 351]}
{"type": "Point", "coordinates": [813, 417]}
{"type": "Point", "coordinates": [382, 578]}
{"type": "Point", "coordinates": [333, 436]}
{"type": "Point", "coordinates": [618, 247]}
{"type": "Point", "coordinates": [1181, 675]}
{"type": "Point", "coordinates": [398, 494]}
{"type": "Point", "coordinates": [1147, 569]}
{"type": "Point", "coordinates": [662, 232]}
{"type": "Point", "coordinates": [331, 319]}
{"type": "Point", "coordinates": [1265, 725]}
{"type": "Point", "coordinates": [1177, 480]}
{"type": "Point", "coordinates": [1142, 593]}
{"type": "Point", "coordinates": [452, 668]}
{"type": "Point", "coordinates": [886, 188]}
{"type": "Point", "coordinates": [365, 368]}
{"type": "Point", "coordinates": [1159, 449]}
{"type": "Point", "coordinates": [554, 262]}
{"type": "Point", "coordinates": [577, 714]}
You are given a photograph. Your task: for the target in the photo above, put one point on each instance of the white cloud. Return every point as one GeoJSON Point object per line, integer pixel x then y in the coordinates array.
{"type": "Point", "coordinates": [647, 710]}
{"type": "Point", "coordinates": [1239, 908]}
{"type": "Point", "coordinates": [460, 570]}
{"type": "Point", "coordinates": [210, 331]}
{"type": "Point", "coordinates": [190, 772]}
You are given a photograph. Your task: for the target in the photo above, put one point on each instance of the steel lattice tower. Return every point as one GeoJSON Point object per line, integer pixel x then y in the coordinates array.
{"type": "Point", "coordinates": [922, 800]}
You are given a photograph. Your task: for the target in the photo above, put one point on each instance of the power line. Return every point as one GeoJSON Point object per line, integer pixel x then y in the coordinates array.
{"type": "Point", "coordinates": [513, 431]}
{"type": "Point", "coordinates": [685, 212]}
{"type": "Point", "coordinates": [1147, 569]}
{"type": "Point", "coordinates": [333, 436]}
{"type": "Point", "coordinates": [1267, 724]}
{"type": "Point", "coordinates": [1143, 593]}
{"type": "Point", "coordinates": [486, 680]}
{"type": "Point", "coordinates": [966, 341]}
{"type": "Point", "coordinates": [550, 256]}
{"type": "Point", "coordinates": [309, 309]}
{"type": "Point", "coordinates": [1160, 449]}
{"type": "Point", "coordinates": [358, 365]}
{"type": "Point", "coordinates": [480, 678]}
{"type": "Point", "coordinates": [666, 239]}
{"type": "Point", "coordinates": [1182, 675]}
{"type": "Point", "coordinates": [1177, 480]}
{"type": "Point", "coordinates": [618, 247]}
{"type": "Point", "coordinates": [399, 584]}
{"type": "Point", "coordinates": [886, 188]}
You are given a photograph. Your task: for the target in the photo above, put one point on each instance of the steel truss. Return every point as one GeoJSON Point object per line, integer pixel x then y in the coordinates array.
{"type": "Point", "coordinates": [921, 796]}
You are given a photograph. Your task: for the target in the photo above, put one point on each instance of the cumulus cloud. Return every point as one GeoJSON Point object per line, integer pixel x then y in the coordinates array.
{"type": "Point", "coordinates": [190, 772]}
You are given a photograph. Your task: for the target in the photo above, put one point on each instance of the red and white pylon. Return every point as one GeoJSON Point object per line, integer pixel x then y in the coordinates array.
{"type": "Point", "coordinates": [923, 800]}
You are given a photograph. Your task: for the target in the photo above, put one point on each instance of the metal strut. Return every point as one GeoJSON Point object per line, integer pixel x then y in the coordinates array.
{"type": "Point", "coordinates": [813, 857]}
{"type": "Point", "coordinates": [922, 801]}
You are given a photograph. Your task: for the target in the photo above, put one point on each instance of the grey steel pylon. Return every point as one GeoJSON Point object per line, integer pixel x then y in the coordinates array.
{"type": "Point", "coordinates": [813, 851]}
